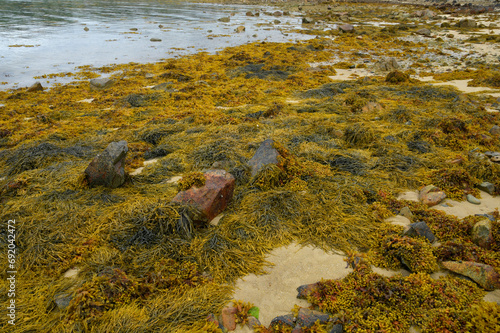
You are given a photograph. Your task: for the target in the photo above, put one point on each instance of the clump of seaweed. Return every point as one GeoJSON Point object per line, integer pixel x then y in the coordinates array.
{"type": "Point", "coordinates": [396, 77]}
{"type": "Point", "coordinates": [456, 183]}
{"type": "Point", "coordinates": [361, 136]}
{"type": "Point", "coordinates": [196, 179]}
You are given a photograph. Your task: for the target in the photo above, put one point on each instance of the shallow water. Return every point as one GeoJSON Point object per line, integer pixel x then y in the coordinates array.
{"type": "Point", "coordinates": [47, 36]}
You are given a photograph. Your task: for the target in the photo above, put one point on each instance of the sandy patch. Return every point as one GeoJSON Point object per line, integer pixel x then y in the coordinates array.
{"type": "Point", "coordinates": [351, 74]}
{"type": "Point", "coordinates": [462, 86]}
{"type": "Point", "coordinates": [462, 209]}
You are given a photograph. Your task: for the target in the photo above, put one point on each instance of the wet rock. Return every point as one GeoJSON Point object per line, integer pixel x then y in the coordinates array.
{"type": "Point", "coordinates": [406, 212]}
{"type": "Point", "coordinates": [249, 14]}
{"type": "Point", "coordinates": [495, 130]}
{"type": "Point", "coordinates": [487, 187]}
{"type": "Point", "coordinates": [482, 233]}
{"type": "Point", "coordinates": [431, 195]}
{"type": "Point", "coordinates": [239, 29]}
{"type": "Point", "coordinates": [424, 32]}
{"type": "Point", "coordinates": [483, 275]}
{"type": "Point", "coordinates": [224, 19]}
{"type": "Point", "coordinates": [62, 300]}
{"type": "Point", "coordinates": [467, 23]}
{"type": "Point", "coordinates": [265, 154]}
{"type": "Point", "coordinates": [37, 86]}
{"type": "Point", "coordinates": [371, 107]}
{"type": "Point", "coordinates": [305, 289]}
{"type": "Point", "coordinates": [307, 20]}
{"type": "Point", "coordinates": [420, 229]}
{"type": "Point", "coordinates": [473, 200]}
{"type": "Point", "coordinates": [337, 328]}
{"type": "Point", "coordinates": [155, 40]}
{"type": "Point", "coordinates": [101, 83]}
{"type": "Point", "coordinates": [86, 29]}
{"type": "Point", "coordinates": [346, 27]}
{"type": "Point", "coordinates": [307, 318]}
{"type": "Point", "coordinates": [229, 318]}
{"type": "Point", "coordinates": [286, 320]}
{"type": "Point", "coordinates": [426, 13]}
{"type": "Point", "coordinates": [277, 13]}
{"type": "Point", "coordinates": [107, 167]}
{"type": "Point", "coordinates": [212, 198]}
{"type": "Point", "coordinates": [387, 65]}
{"type": "Point", "coordinates": [252, 322]}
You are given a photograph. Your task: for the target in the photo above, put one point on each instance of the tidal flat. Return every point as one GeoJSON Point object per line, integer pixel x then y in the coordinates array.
{"type": "Point", "coordinates": [385, 124]}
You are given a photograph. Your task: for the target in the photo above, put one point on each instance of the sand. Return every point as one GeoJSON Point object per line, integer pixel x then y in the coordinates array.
{"type": "Point", "coordinates": [275, 293]}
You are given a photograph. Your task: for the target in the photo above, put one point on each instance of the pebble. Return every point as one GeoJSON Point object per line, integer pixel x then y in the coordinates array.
{"type": "Point", "coordinates": [473, 200]}
{"type": "Point", "coordinates": [155, 40]}
{"type": "Point", "coordinates": [487, 187]}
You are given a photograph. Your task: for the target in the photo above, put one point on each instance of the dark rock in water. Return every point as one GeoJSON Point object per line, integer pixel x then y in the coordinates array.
{"type": "Point", "coordinates": [305, 289]}
{"type": "Point", "coordinates": [482, 234]}
{"type": "Point", "coordinates": [265, 154]}
{"type": "Point", "coordinates": [484, 275]}
{"type": "Point", "coordinates": [346, 27]}
{"type": "Point", "coordinates": [107, 168]}
{"type": "Point", "coordinates": [286, 320]}
{"type": "Point", "coordinates": [338, 328]}
{"type": "Point", "coordinates": [249, 14]}
{"type": "Point", "coordinates": [101, 83]}
{"type": "Point", "coordinates": [467, 23]}
{"type": "Point", "coordinates": [212, 198]}
{"type": "Point", "coordinates": [62, 300]}
{"type": "Point", "coordinates": [307, 318]}
{"type": "Point", "coordinates": [37, 86]}
{"type": "Point", "coordinates": [487, 187]}
{"type": "Point", "coordinates": [277, 13]}
{"type": "Point", "coordinates": [420, 229]}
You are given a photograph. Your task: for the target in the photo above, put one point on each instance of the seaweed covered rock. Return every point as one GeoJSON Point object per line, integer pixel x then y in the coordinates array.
{"type": "Point", "coordinates": [431, 195]}
{"type": "Point", "coordinates": [212, 198]}
{"type": "Point", "coordinates": [307, 317]}
{"type": "Point", "coordinates": [467, 23]}
{"type": "Point", "coordinates": [265, 154]}
{"type": "Point", "coordinates": [101, 83]}
{"type": "Point", "coordinates": [483, 275]}
{"type": "Point", "coordinates": [107, 168]}
{"type": "Point", "coordinates": [421, 229]}
{"type": "Point", "coordinates": [482, 233]}
{"type": "Point", "coordinates": [397, 77]}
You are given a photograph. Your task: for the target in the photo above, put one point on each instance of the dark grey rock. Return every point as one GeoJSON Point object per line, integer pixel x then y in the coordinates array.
{"type": "Point", "coordinates": [287, 320]}
{"type": "Point", "coordinates": [265, 154]}
{"type": "Point", "coordinates": [305, 290]}
{"type": "Point", "coordinates": [107, 168]}
{"type": "Point", "coordinates": [307, 317]}
{"type": "Point", "coordinates": [338, 328]}
{"type": "Point", "coordinates": [420, 229]}
{"type": "Point", "coordinates": [62, 300]}
{"type": "Point", "coordinates": [487, 187]}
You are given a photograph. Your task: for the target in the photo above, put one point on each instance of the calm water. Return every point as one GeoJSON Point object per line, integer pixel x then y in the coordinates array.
{"type": "Point", "coordinates": [47, 36]}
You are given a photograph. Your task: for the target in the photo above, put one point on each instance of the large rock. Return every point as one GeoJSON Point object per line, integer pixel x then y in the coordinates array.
{"type": "Point", "coordinates": [101, 83]}
{"type": "Point", "coordinates": [307, 318]}
{"type": "Point", "coordinates": [487, 187]}
{"type": "Point", "coordinates": [483, 275]}
{"type": "Point", "coordinates": [265, 154]}
{"type": "Point", "coordinates": [212, 198]}
{"type": "Point", "coordinates": [467, 23]}
{"type": "Point", "coordinates": [482, 233]}
{"type": "Point", "coordinates": [431, 195]}
{"type": "Point", "coordinates": [424, 32]}
{"type": "Point", "coordinates": [107, 167]}
{"type": "Point", "coordinates": [37, 86]}
{"type": "Point", "coordinates": [387, 65]}
{"type": "Point", "coordinates": [420, 229]}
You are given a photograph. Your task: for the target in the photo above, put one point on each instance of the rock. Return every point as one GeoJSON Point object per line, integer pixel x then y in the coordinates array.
{"type": "Point", "coordinates": [431, 195]}
{"type": "Point", "coordinates": [133, 29]}
{"type": "Point", "coordinates": [86, 29]}
{"type": "Point", "coordinates": [487, 187]}
{"type": "Point", "coordinates": [265, 154]}
{"type": "Point", "coordinates": [286, 320]}
{"type": "Point", "coordinates": [371, 107]}
{"type": "Point", "coordinates": [278, 13]}
{"type": "Point", "coordinates": [387, 65]}
{"type": "Point", "coordinates": [277, 22]}
{"type": "Point", "coordinates": [495, 159]}
{"type": "Point", "coordinates": [427, 13]}
{"type": "Point", "coordinates": [467, 23]}
{"type": "Point", "coordinates": [212, 198]}
{"type": "Point", "coordinates": [239, 29]}
{"type": "Point", "coordinates": [229, 318]}
{"type": "Point", "coordinates": [307, 318]}
{"type": "Point", "coordinates": [37, 86]}
{"type": "Point", "coordinates": [346, 27]}
{"type": "Point", "coordinates": [420, 229]}
{"type": "Point", "coordinates": [337, 328]}
{"type": "Point", "coordinates": [482, 233]}
{"type": "Point", "coordinates": [224, 19]}
{"type": "Point", "coordinates": [155, 40]}
{"type": "Point", "coordinates": [62, 300]}
{"type": "Point", "coordinates": [406, 212]}
{"type": "Point", "coordinates": [307, 20]}
{"type": "Point", "coordinates": [473, 200]}
{"type": "Point", "coordinates": [483, 275]}
{"type": "Point", "coordinates": [305, 290]}
{"type": "Point", "coordinates": [491, 154]}
{"type": "Point", "coordinates": [495, 130]}
{"type": "Point", "coordinates": [101, 83]}
{"type": "Point", "coordinates": [249, 14]}
{"type": "Point", "coordinates": [252, 322]}
{"type": "Point", "coordinates": [211, 318]}
{"type": "Point", "coordinates": [424, 32]}
{"type": "Point", "coordinates": [445, 25]}
{"type": "Point", "coordinates": [107, 168]}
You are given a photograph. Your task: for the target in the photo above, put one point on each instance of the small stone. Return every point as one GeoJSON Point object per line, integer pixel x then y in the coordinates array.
{"type": "Point", "coordinates": [249, 14]}
{"type": "Point", "coordinates": [133, 29]}
{"type": "Point", "coordinates": [482, 234]}
{"type": "Point", "coordinates": [487, 187]}
{"type": "Point", "coordinates": [224, 19]}
{"type": "Point", "coordinates": [424, 32]}
{"type": "Point", "coordinates": [337, 328]}
{"type": "Point", "coordinates": [265, 154]}
{"type": "Point", "coordinates": [252, 322]}
{"type": "Point", "coordinates": [37, 86]}
{"type": "Point", "coordinates": [406, 212]}
{"type": "Point", "coordinates": [229, 318]}
{"type": "Point", "coordinates": [86, 29]}
{"type": "Point", "coordinates": [483, 275]}
{"type": "Point", "coordinates": [155, 40]}
{"type": "Point", "coordinates": [420, 229]}
{"type": "Point", "coordinates": [286, 320]}
{"type": "Point", "coordinates": [305, 290]}
{"type": "Point", "coordinates": [307, 318]}
{"type": "Point", "coordinates": [431, 195]}
{"type": "Point", "coordinates": [62, 300]}
{"type": "Point", "coordinates": [346, 27]}
{"type": "Point", "coordinates": [101, 83]}
{"type": "Point", "coordinates": [495, 130]}
{"type": "Point", "coordinates": [239, 29]}
{"type": "Point", "coordinates": [107, 168]}
{"type": "Point", "coordinates": [277, 13]}
{"type": "Point", "coordinates": [473, 200]}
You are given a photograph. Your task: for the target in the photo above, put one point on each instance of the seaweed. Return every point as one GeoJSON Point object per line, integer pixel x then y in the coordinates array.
{"type": "Point", "coordinates": [326, 90]}
{"type": "Point", "coordinates": [350, 164]}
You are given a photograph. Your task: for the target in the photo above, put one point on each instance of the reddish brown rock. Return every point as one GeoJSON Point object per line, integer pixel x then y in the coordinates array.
{"type": "Point", "coordinates": [483, 275]}
{"type": "Point", "coordinates": [431, 195]}
{"type": "Point", "coordinates": [229, 318]}
{"type": "Point", "coordinates": [212, 198]}
{"type": "Point", "coordinates": [305, 290]}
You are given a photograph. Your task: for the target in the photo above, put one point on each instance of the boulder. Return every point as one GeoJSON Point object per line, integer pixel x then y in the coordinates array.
{"type": "Point", "coordinates": [483, 275]}
{"type": "Point", "coordinates": [37, 86]}
{"type": "Point", "coordinates": [487, 187]}
{"type": "Point", "coordinates": [424, 32]}
{"type": "Point", "coordinates": [387, 65]}
{"type": "Point", "coordinates": [101, 83]}
{"type": "Point", "coordinates": [431, 195]}
{"type": "Point", "coordinates": [265, 154]}
{"type": "Point", "coordinates": [420, 229]}
{"type": "Point", "coordinates": [212, 198]}
{"type": "Point", "coordinates": [107, 167]}
{"type": "Point", "coordinates": [467, 23]}
{"type": "Point", "coordinates": [346, 27]}
{"type": "Point", "coordinates": [307, 317]}
{"type": "Point", "coordinates": [482, 233]}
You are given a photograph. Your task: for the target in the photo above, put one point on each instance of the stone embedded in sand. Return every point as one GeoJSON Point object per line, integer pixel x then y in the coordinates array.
{"type": "Point", "coordinates": [420, 229]}
{"type": "Point", "coordinates": [265, 154]}
{"type": "Point", "coordinates": [387, 65]}
{"type": "Point", "coordinates": [229, 318]}
{"type": "Point", "coordinates": [212, 198]}
{"type": "Point", "coordinates": [473, 200]}
{"type": "Point", "coordinates": [487, 187]}
{"type": "Point", "coordinates": [484, 275]}
{"type": "Point", "coordinates": [467, 23]}
{"type": "Point", "coordinates": [406, 212]}
{"type": "Point", "coordinates": [346, 27]}
{"type": "Point", "coordinates": [37, 86]}
{"type": "Point", "coordinates": [482, 233]}
{"type": "Point", "coordinates": [107, 167]}
{"type": "Point", "coordinates": [307, 318]}
{"type": "Point", "coordinates": [101, 83]}
{"type": "Point", "coordinates": [431, 195]}
{"type": "Point", "coordinates": [305, 290]}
